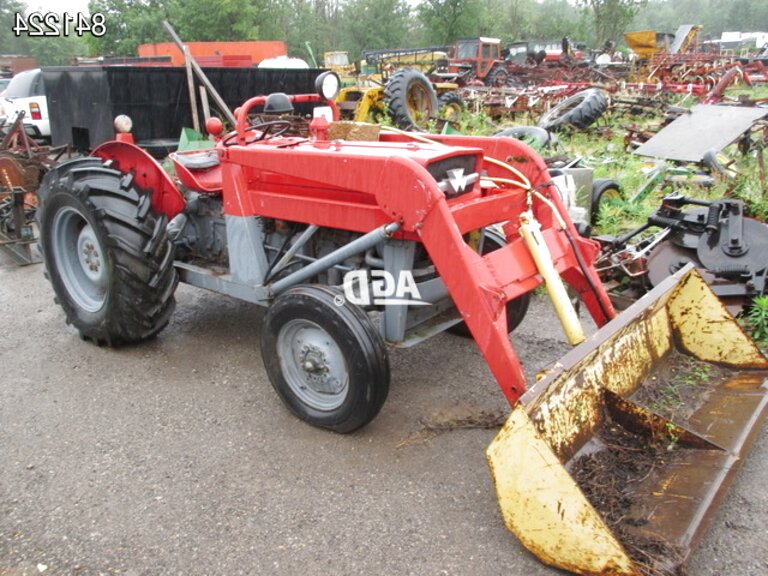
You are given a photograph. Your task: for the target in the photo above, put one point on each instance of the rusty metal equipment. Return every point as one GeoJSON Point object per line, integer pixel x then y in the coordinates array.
{"type": "Point", "coordinates": [16, 212]}
{"type": "Point", "coordinates": [704, 128]}
{"type": "Point", "coordinates": [568, 423]}
{"type": "Point", "coordinates": [727, 248]}
{"type": "Point", "coordinates": [23, 163]}
{"type": "Point", "coordinates": [20, 175]}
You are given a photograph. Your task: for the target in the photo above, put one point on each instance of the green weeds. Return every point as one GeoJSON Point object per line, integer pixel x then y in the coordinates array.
{"type": "Point", "coordinates": [757, 320]}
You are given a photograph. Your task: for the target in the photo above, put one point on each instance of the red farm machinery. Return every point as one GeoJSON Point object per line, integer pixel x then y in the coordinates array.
{"type": "Point", "coordinates": [354, 245]}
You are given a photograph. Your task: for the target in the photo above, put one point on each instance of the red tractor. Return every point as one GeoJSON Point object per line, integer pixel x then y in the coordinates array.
{"type": "Point", "coordinates": [355, 244]}
{"type": "Point", "coordinates": [481, 58]}
{"type": "Point", "coordinates": [282, 220]}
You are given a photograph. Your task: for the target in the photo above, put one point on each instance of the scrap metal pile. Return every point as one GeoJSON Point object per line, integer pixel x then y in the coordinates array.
{"type": "Point", "coordinates": [716, 235]}
{"type": "Point", "coordinates": [23, 163]}
{"type": "Point", "coordinates": [659, 65]}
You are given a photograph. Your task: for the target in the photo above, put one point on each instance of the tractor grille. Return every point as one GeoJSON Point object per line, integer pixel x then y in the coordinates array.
{"type": "Point", "coordinates": [455, 176]}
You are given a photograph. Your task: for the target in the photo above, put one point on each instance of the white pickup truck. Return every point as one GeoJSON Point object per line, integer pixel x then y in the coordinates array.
{"type": "Point", "coordinates": [26, 92]}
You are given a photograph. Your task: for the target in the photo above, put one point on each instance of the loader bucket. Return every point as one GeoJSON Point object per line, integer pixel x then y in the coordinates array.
{"type": "Point", "coordinates": [615, 461]}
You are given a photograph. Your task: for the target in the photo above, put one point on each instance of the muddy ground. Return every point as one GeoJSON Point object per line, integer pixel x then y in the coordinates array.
{"type": "Point", "coordinates": [176, 457]}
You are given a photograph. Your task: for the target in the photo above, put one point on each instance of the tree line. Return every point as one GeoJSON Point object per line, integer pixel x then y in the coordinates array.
{"type": "Point", "coordinates": [357, 25]}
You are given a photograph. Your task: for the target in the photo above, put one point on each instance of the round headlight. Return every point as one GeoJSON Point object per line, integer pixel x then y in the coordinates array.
{"type": "Point", "coordinates": [123, 124]}
{"type": "Point", "coordinates": [327, 85]}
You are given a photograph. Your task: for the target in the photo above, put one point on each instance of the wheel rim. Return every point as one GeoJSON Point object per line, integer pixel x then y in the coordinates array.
{"type": "Point", "coordinates": [610, 195]}
{"type": "Point", "coordinates": [419, 103]}
{"type": "Point", "coordinates": [451, 111]}
{"type": "Point", "coordinates": [79, 259]}
{"type": "Point", "coordinates": [313, 365]}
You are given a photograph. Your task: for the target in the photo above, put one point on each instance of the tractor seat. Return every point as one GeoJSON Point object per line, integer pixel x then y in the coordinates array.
{"type": "Point", "coordinates": [198, 160]}
{"type": "Point", "coordinates": [199, 170]}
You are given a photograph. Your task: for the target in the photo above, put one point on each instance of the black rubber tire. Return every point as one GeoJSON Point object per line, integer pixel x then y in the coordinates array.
{"type": "Point", "coordinates": [516, 309]}
{"type": "Point", "coordinates": [411, 99]}
{"type": "Point", "coordinates": [87, 203]}
{"type": "Point", "coordinates": [497, 77]}
{"type": "Point", "coordinates": [355, 337]}
{"type": "Point", "coordinates": [603, 189]}
{"type": "Point", "coordinates": [535, 136]}
{"type": "Point", "coordinates": [579, 111]}
{"type": "Point", "coordinates": [450, 106]}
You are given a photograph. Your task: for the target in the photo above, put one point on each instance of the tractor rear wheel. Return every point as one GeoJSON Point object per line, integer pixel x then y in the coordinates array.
{"type": "Point", "coordinates": [516, 309]}
{"type": "Point", "coordinates": [579, 111]}
{"type": "Point", "coordinates": [325, 358]}
{"type": "Point", "coordinates": [411, 99]}
{"type": "Point", "coordinates": [106, 253]}
{"type": "Point", "coordinates": [497, 77]}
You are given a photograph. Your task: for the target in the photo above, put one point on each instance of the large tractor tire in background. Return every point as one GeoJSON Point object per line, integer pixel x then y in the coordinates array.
{"type": "Point", "coordinates": [411, 99]}
{"type": "Point", "coordinates": [579, 111]}
{"type": "Point", "coordinates": [106, 253]}
{"type": "Point", "coordinates": [497, 77]}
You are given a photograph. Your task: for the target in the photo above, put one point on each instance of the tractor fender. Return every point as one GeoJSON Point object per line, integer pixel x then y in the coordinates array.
{"type": "Point", "coordinates": [147, 173]}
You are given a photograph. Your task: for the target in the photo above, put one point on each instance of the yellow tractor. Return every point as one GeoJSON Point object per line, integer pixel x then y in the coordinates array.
{"type": "Point", "coordinates": [395, 82]}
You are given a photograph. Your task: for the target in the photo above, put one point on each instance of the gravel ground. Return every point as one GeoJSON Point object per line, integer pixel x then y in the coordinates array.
{"type": "Point", "coordinates": [176, 457]}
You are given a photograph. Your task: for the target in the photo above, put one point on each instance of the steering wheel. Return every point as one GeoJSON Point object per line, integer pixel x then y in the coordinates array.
{"type": "Point", "coordinates": [271, 129]}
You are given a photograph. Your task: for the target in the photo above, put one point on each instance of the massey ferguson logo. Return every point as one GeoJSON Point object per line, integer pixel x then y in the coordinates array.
{"type": "Point", "coordinates": [456, 182]}
{"type": "Point", "coordinates": [383, 288]}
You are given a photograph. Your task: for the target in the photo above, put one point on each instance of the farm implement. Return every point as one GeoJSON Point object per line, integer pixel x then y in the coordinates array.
{"type": "Point", "coordinates": [356, 245]}
{"type": "Point", "coordinates": [23, 162]}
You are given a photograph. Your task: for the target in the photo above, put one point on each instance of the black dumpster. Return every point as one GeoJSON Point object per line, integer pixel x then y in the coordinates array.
{"type": "Point", "coordinates": [83, 101]}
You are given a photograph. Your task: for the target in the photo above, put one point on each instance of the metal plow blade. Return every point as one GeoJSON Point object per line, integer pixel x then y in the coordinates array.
{"type": "Point", "coordinates": [614, 463]}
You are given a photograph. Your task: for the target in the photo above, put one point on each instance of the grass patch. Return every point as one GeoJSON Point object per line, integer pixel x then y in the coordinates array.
{"type": "Point", "coordinates": [757, 320]}
{"type": "Point", "coordinates": [602, 148]}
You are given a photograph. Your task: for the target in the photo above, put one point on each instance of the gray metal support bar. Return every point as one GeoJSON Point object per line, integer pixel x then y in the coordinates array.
{"type": "Point", "coordinates": [355, 247]}
{"type": "Point", "coordinates": [398, 256]}
{"type": "Point", "coordinates": [295, 247]}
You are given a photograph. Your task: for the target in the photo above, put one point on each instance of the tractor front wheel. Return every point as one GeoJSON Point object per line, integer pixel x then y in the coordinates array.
{"type": "Point", "coordinates": [451, 106]}
{"type": "Point", "coordinates": [604, 190]}
{"type": "Point", "coordinates": [325, 358]}
{"type": "Point", "coordinates": [497, 77]}
{"type": "Point", "coordinates": [106, 253]}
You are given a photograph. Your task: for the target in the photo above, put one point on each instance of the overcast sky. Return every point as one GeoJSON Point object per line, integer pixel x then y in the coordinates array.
{"type": "Point", "coordinates": [69, 6]}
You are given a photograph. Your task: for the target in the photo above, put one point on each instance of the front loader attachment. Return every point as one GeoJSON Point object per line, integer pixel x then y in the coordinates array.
{"type": "Point", "coordinates": [615, 461]}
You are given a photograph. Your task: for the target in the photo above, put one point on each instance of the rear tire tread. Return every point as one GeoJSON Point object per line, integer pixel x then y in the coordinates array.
{"type": "Point", "coordinates": [141, 282]}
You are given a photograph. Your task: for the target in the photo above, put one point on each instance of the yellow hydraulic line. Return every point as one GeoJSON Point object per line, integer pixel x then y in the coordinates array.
{"type": "Point", "coordinates": [534, 240]}
{"type": "Point", "coordinates": [525, 184]}
{"type": "Point", "coordinates": [530, 230]}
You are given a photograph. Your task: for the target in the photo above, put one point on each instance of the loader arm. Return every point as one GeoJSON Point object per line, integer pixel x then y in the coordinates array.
{"type": "Point", "coordinates": [369, 184]}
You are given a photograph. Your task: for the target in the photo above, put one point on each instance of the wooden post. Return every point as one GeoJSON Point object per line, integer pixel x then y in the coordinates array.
{"type": "Point", "coordinates": [192, 92]}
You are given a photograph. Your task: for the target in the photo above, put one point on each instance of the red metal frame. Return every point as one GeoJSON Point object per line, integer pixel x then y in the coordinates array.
{"type": "Point", "coordinates": [149, 175]}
